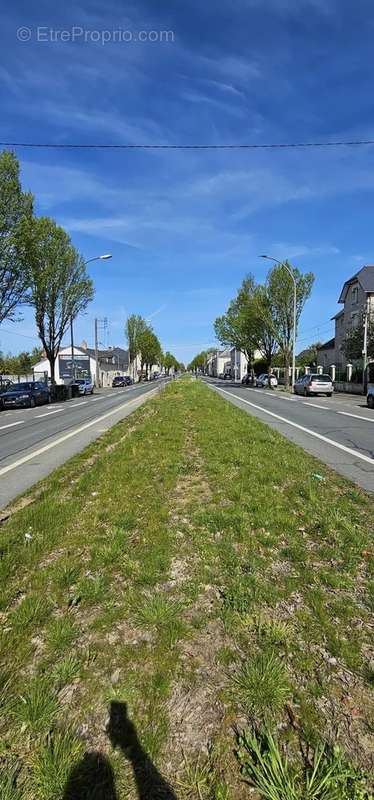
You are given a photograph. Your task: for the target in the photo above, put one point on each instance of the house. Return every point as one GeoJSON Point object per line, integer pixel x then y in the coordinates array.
{"type": "Point", "coordinates": [112, 361]}
{"type": "Point", "coordinates": [357, 298]}
{"type": "Point", "coordinates": [239, 364]}
{"type": "Point", "coordinates": [217, 361]}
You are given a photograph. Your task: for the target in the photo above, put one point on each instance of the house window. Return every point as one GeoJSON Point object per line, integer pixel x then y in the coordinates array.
{"type": "Point", "coordinates": [355, 295]}
{"type": "Point", "coordinates": [355, 319]}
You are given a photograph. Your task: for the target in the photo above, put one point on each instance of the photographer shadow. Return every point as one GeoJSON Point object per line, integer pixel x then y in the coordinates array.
{"type": "Point", "coordinates": [93, 779]}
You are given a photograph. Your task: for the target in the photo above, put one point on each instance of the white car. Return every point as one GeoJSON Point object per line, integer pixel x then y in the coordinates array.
{"type": "Point", "coordinates": [266, 380]}
{"type": "Point", "coordinates": [85, 385]}
{"type": "Point", "coordinates": [314, 384]}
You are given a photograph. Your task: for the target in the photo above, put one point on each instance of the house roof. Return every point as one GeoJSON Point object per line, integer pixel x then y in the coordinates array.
{"type": "Point", "coordinates": [121, 358]}
{"type": "Point", "coordinates": [365, 277]}
{"type": "Point", "coordinates": [327, 345]}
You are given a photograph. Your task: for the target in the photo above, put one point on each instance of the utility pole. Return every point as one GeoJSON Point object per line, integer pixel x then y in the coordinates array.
{"type": "Point", "coordinates": [72, 349]}
{"type": "Point", "coordinates": [97, 357]}
{"type": "Point", "coordinates": [365, 347]}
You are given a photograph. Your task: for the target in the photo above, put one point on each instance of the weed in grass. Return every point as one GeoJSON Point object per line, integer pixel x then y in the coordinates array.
{"type": "Point", "coordinates": [36, 709]}
{"type": "Point", "coordinates": [61, 633]}
{"type": "Point", "coordinates": [33, 610]}
{"type": "Point", "coordinates": [261, 685]}
{"type": "Point", "coordinates": [327, 777]}
{"type": "Point", "coordinates": [52, 763]}
{"type": "Point", "coordinates": [92, 589]}
{"type": "Point", "coordinates": [66, 671]}
{"type": "Point", "coordinates": [8, 783]}
{"type": "Point", "coordinates": [157, 611]}
{"type": "Point", "coordinates": [66, 574]}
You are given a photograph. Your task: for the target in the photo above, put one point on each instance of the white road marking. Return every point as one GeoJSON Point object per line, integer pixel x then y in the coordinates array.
{"type": "Point", "coordinates": [19, 422]}
{"type": "Point", "coordinates": [356, 416]}
{"type": "Point", "coordinates": [314, 405]}
{"type": "Point", "coordinates": [316, 435]}
{"type": "Point", "coordinates": [48, 413]}
{"type": "Point", "coordinates": [69, 435]}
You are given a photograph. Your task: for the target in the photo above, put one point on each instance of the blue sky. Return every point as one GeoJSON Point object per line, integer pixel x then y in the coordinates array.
{"type": "Point", "coordinates": [184, 227]}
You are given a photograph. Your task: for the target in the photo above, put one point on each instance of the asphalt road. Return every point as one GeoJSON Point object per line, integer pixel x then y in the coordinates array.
{"type": "Point", "coordinates": [33, 441]}
{"type": "Point", "coordinates": [338, 430]}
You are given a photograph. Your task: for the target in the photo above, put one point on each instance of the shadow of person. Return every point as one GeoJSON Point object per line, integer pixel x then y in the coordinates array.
{"type": "Point", "coordinates": [122, 732]}
{"type": "Point", "coordinates": [91, 779]}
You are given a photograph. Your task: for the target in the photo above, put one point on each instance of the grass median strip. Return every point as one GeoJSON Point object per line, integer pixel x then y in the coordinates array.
{"type": "Point", "coordinates": [186, 604]}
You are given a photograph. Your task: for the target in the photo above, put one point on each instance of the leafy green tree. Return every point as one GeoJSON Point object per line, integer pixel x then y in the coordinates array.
{"type": "Point", "coordinates": [353, 344]}
{"type": "Point", "coordinates": [135, 327]}
{"type": "Point", "coordinates": [149, 349]}
{"type": "Point", "coordinates": [199, 361]}
{"type": "Point", "coordinates": [15, 222]}
{"type": "Point", "coordinates": [60, 286]}
{"type": "Point", "coordinates": [280, 293]}
{"type": "Point", "coordinates": [237, 328]}
{"type": "Point", "coordinates": [308, 357]}
{"type": "Point", "coordinates": [170, 362]}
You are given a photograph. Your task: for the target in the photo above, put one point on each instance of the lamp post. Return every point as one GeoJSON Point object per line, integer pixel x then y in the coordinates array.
{"type": "Point", "coordinates": [286, 267]}
{"type": "Point", "coordinates": [95, 258]}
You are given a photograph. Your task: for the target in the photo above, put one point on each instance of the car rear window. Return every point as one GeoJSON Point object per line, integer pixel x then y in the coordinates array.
{"type": "Point", "coordinates": [321, 378]}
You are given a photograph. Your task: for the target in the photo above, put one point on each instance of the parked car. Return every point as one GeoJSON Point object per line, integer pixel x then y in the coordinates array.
{"type": "Point", "coordinates": [221, 375]}
{"type": "Point", "coordinates": [247, 379]}
{"type": "Point", "coordinates": [85, 385]}
{"type": "Point", "coordinates": [25, 395]}
{"type": "Point", "coordinates": [227, 376]}
{"type": "Point", "coordinates": [314, 384]}
{"type": "Point", "coordinates": [119, 380]}
{"type": "Point", "coordinates": [266, 380]}
{"type": "Point", "coordinates": [370, 397]}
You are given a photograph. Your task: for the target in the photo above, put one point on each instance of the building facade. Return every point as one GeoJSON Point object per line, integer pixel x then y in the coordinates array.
{"type": "Point", "coordinates": [112, 361]}
{"type": "Point", "coordinates": [357, 298]}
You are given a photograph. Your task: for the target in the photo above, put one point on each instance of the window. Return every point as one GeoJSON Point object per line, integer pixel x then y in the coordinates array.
{"type": "Point", "coordinates": [354, 295]}
{"type": "Point", "coordinates": [355, 317]}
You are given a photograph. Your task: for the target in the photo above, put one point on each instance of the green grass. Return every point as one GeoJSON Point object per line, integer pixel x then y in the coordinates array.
{"type": "Point", "coordinates": [208, 581]}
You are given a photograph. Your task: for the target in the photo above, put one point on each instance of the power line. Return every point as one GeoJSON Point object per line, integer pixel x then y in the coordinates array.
{"type": "Point", "coordinates": [261, 146]}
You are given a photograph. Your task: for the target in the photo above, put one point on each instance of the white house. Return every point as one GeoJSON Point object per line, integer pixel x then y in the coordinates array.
{"type": "Point", "coordinates": [113, 361]}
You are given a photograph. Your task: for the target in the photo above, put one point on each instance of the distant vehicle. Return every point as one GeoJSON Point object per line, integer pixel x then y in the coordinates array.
{"type": "Point", "coordinates": [247, 379]}
{"type": "Point", "coordinates": [221, 375]}
{"type": "Point", "coordinates": [121, 380]}
{"type": "Point", "coordinates": [370, 397]}
{"type": "Point", "coordinates": [266, 380]}
{"type": "Point", "coordinates": [227, 376]}
{"type": "Point", "coordinates": [85, 385]}
{"type": "Point", "coordinates": [314, 384]}
{"type": "Point", "coordinates": [25, 395]}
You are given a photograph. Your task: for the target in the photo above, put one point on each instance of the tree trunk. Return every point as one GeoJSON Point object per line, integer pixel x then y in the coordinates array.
{"type": "Point", "coordinates": [287, 381]}
{"type": "Point", "coordinates": [52, 363]}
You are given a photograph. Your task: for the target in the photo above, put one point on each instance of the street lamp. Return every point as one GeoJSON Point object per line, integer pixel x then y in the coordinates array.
{"type": "Point", "coordinates": [286, 267]}
{"type": "Point", "coordinates": [95, 258]}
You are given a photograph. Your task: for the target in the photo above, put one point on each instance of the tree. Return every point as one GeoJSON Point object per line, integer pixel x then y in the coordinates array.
{"type": "Point", "coordinates": [308, 357]}
{"type": "Point", "coordinates": [353, 344]}
{"type": "Point", "coordinates": [60, 286]}
{"type": "Point", "coordinates": [135, 326]}
{"type": "Point", "coordinates": [280, 292]}
{"type": "Point", "coordinates": [149, 348]}
{"type": "Point", "coordinates": [198, 362]}
{"type": "Point", "coordinates": [170, 362]}
{"type": "Point", "coordinates": [247, 324]}
{"type": "Point", "coordinates": [15, 222]}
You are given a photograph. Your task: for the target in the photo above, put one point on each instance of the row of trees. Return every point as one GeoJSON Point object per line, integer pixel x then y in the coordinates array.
{"type": "Point", "coordinates": [39, 266]}
{"type": "Point", "coordinates": [261, 317]}
{"type": "Point", "coordinates": [143, 342]}
{"type": "Point", "coordinates": [21, 364]}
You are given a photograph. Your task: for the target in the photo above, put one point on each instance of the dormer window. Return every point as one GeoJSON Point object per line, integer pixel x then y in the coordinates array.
{"type": "Point", "coordinates": [354, 295]}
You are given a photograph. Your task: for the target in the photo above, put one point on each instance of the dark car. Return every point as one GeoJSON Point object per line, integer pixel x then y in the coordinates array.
{"type": "Point", "coordinates": [25, 395]}
{"type": "Point", "coordinates": [121, 380]}
{"type": "Point", "coordinates": [247, 379]}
